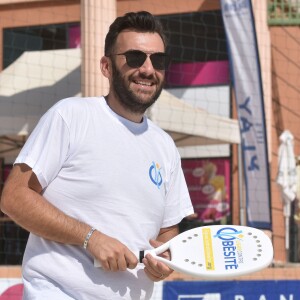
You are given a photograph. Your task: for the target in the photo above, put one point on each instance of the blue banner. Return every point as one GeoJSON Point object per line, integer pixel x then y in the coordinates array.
{"type": "Point", "coordinates": [246, 74]}
{"type": "Point", "coordinates": [232, 290]}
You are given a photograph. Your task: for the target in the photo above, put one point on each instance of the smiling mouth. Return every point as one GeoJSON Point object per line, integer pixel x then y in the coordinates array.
{"type": "Point", "coordinates": [143, 83]}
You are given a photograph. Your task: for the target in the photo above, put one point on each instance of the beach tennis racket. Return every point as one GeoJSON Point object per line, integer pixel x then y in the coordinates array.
{"type": "Point", "coordinates": [217, 251]}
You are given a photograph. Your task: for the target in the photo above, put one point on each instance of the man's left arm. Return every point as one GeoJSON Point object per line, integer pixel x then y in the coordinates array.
{"type": "Point", "coordinates": [154, 269]}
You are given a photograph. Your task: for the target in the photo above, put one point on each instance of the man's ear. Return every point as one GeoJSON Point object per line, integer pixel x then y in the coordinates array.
{"type": "Point", "coordinates": [105, 66]}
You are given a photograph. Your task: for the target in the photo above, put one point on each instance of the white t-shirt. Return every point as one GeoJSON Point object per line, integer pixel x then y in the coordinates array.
{"type": "Point", "coordinates": [123, 178]}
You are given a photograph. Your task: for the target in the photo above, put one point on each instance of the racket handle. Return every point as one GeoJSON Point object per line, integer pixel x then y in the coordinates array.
{"type": "Point", "coordinates": [139, 255]}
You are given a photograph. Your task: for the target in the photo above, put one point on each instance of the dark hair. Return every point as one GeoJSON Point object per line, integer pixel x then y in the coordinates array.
{"type": "Point", "coordinates": [141, 21]}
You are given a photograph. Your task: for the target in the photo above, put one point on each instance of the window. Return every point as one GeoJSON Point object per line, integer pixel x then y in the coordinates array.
{"type": "Point", "coordinates": [50, 37]}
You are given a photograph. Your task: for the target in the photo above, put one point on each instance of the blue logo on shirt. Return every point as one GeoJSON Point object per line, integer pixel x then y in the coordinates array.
{"type": "Point", "coordinates": [155, 175]}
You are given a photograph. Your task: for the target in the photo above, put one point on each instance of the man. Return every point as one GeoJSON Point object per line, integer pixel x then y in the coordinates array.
{"type": "Point", "coordinates": [97, 180]}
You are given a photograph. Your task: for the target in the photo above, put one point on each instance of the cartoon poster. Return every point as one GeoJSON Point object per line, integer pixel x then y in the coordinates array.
{"type": "Point", "coordinates": [208, 182]}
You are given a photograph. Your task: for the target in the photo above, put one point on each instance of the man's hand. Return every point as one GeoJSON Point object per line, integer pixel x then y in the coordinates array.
{"type": "Point", "coordinates": [154, 269]}
{"type": "Point", "coordinates": [112, 254]}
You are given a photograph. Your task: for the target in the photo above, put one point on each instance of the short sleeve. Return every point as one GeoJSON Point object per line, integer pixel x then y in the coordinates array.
{"type": "Point", "coordinates": [178, 202]}
{"type": "Point", "coordinates": [47, 147]}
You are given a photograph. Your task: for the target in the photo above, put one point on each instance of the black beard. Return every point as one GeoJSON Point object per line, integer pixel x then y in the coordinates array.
{"type": "Point", "coordinates": [126, 97]}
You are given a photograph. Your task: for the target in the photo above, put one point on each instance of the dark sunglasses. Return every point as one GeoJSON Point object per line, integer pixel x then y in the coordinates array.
{"type": "Point", "coordinates": [136, 58]}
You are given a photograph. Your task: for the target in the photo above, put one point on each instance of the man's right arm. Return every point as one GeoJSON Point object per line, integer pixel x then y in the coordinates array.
{"type": "Point", "coordinates": [22, 201]}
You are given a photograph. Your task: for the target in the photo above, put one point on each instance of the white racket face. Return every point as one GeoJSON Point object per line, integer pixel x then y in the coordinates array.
{"type": "Point", "coordinates": [220, 251]}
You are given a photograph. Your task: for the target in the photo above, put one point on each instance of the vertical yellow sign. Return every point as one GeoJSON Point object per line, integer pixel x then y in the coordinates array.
{"type": "Point", "coordinates": [208, 249]}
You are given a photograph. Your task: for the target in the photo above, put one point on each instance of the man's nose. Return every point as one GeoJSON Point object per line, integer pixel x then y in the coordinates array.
{"type": "Point", "coordinates": [147, 67]}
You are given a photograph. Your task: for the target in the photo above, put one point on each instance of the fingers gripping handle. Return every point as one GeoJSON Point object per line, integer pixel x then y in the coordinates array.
{"type": "Point", "coordinates": [139, 255]}
{"type": "Point", "coordinates": [154, 252]}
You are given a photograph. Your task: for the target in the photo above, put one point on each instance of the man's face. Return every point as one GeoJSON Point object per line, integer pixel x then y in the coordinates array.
{"type": "Point", "coordinates": [136, 88]}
